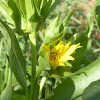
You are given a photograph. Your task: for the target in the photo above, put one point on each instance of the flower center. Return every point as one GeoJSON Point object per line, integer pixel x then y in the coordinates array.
{"type": "Point", "coordinates": [54, 56]}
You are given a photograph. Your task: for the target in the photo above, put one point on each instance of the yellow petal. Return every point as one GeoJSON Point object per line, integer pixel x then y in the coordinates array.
{"type": "Point", "coordinates": [61, 64]}
{"type": "Point", "coordinates": [53, 65]}
{"type": "Point", "coordinates": [63, 50]}
{"type": "Point", "coordinates": [57, 47]}
{"type": "Point", "coordinates": [65, 58]}
{"type": "Point", "coordinates": [72, 49]}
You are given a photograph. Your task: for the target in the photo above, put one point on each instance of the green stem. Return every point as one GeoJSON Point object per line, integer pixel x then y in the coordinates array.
{"type": "Point", "coordinates": [32, 37]}
{"type": "Point", "coordinates": [36, 94]}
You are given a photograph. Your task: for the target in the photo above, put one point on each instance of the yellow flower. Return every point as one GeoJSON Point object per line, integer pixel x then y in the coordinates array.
{"type": "Point", "coordinates": [61, 53]}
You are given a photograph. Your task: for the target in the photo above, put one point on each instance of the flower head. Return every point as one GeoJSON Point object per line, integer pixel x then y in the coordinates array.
{"type": "Point", "coordinates": [61, 53]}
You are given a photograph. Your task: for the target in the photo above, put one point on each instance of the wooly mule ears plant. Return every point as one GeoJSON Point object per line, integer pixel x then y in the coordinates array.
{"type": "Point", "coordinates": [56, 58]}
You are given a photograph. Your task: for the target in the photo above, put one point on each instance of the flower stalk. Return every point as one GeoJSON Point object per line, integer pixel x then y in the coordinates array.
{"type": "Point", "coordinates": [32, 37]}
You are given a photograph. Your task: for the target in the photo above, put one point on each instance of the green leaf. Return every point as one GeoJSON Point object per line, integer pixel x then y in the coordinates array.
{"type": "Point", "coordinates": [60, 72]}
{"type": "Point", "coordinates": [18, 97]}
{"type": "Point", "coordinates": [50, 29]}
{"type": "Point", "coordinates": [73, 87]}
{"type": "Point", "coordinates": [44, 62]}
{"type": "Point", "coordinates": [53, 25]}
{"type": "Point", "coordinates": [5, 2]}
{"type": "Point", "coordinates": [16, 58]}
{"type": "Point", "coordinates": [22, 7]}
{"type": "Point", "coordinates": [81, 38]}
{"type": "Point", "coordinates": [18, 5]}
{"type": "Point", "coordinates": [7, 93]}
{"type": "Point", "coordinates": [59, 32]}
{"type": "Point", "coordinates": [19, 94]}
{"type": "Point", "coordinates": [45, 8]}
{"type": "Point", "coordinates": [65, 21]}
{"type": "Point", "coordinates": [6, 12]}
{"type": "Point", "coordinates": [43, 2]}
{"type": "Point", "coordinates": [29, 10]}
{"type": "Point", "coordinates": [92, 92]}
{"type": "Point", "coordinates": [39, 4]}
{"type": "Point", "coordinates": [16, 16]}
{"type": "Point", "coordinates": [90, 24]}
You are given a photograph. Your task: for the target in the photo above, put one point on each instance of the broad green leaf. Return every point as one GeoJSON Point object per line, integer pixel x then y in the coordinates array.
{"type": "Point", "coordinates": [7, 93]}
{"type": "Point", "coordinates": [16, 58]}
{"type": "Point", "coordinates": [73, 87]}
{"type": "Point", "coordinates": [17, 70]}
{"type": "Point", "coordinates": [92, 92]}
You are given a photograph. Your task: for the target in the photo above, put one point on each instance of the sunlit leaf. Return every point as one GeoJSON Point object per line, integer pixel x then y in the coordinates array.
{"type": "Point", "coordinates": [16, 58]}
